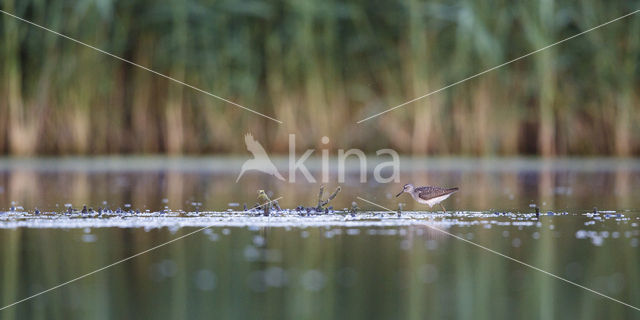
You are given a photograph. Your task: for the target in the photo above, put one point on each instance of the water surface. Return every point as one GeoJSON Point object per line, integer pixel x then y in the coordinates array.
{"type": "Point", "coordinates": [371, 265]}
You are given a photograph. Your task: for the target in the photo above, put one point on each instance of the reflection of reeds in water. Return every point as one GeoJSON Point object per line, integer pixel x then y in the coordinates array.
{"type": "Point", "coordinates": [329, 65]}
{"type": "Point", "coordinates": [407, 275]}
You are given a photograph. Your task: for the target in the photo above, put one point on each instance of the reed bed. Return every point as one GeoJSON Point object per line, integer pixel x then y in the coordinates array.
{"type": "Point", "coordinates": [320, 66]}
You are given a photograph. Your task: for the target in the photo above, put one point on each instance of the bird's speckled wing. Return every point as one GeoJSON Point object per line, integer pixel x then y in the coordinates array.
{"type": "Point", "coordinates": [429, 192]}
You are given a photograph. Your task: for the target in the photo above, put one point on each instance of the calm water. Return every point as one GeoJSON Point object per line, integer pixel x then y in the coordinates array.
{"type": "Point", "coordinates": [383, 269]}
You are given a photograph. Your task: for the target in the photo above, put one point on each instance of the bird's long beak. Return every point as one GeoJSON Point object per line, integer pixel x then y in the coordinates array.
{"type": "Point", "coordinates": [399, 193]}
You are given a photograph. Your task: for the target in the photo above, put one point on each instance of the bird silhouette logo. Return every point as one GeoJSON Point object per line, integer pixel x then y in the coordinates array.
{"type": "Point", "coordinates": [260, 161]}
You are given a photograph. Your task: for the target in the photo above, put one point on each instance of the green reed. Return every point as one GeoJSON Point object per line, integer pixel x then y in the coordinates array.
{"type": "Point", "coordinates": [319, 67]}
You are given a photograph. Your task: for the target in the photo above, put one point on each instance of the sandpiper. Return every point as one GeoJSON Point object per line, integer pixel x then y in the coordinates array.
{"type": "Point", "coordinates": [428, 194]}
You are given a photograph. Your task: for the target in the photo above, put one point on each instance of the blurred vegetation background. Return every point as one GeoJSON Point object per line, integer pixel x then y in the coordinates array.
{"type": "Point", "coordinates": [320, 66]}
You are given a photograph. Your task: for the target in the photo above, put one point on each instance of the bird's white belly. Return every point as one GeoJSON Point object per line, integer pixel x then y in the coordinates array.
{"type": "Point", "coordinates": [432, 202]}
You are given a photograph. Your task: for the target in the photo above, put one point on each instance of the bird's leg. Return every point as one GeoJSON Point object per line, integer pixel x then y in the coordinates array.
{"type": "Point", "coordinates": [443, 209]}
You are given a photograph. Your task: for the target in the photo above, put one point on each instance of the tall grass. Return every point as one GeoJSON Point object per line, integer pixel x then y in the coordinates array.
{"type": "Point", "coordinates": [320, 67]}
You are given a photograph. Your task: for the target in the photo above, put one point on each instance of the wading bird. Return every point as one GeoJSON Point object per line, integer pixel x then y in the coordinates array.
{"type": "Point", "coordinates": [428, 194]}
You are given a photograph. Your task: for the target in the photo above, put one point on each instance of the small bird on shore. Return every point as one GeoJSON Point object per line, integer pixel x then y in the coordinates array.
{"type": "Point", "coordinates": [265, 202]}
{"type": "Point", "coordinates": [428, 194]}
{"type": "Point", "coordinates": [263, 198]}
